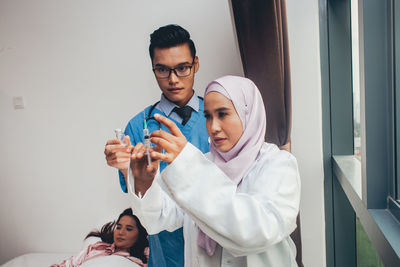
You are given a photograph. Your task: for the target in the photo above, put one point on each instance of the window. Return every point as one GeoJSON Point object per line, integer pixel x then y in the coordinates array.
{"type": "Point", "coordinates": [366, 254]}
{"type": "Point", "coordinates": [360, 63]}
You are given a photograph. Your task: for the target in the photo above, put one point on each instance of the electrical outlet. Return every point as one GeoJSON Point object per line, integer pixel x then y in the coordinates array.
{"type": "Point", "coordinates": [19, 102]}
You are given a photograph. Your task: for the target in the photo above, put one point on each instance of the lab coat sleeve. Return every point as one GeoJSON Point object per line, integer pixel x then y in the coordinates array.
{"type": "Point", "coordinates": [156, 210]}
{"type": "Point", "coordinates": [243, 223]}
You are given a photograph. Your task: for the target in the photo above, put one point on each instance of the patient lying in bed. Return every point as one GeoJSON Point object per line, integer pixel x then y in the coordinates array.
{"type": "Point", "coordinates": [126, 238]}
{"type": "Point", "coordinates": [122, 243]}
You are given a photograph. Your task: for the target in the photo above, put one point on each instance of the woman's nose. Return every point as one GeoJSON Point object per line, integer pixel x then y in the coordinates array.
{"type": "Point", "coordinates": [215, 126]}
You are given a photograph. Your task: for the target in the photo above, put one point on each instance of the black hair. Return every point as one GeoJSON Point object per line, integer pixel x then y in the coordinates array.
{"type": "Point", "coordinates": [169, 36]}
{"type": "Point", "coordinates": [107, 235]}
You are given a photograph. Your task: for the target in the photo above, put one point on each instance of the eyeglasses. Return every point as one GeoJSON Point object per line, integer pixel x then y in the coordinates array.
{"type": "Point", "coordinates": [163, 72]}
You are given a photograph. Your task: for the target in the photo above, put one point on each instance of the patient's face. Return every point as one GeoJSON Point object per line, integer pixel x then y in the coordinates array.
{"type": "Point", "coordinates": [222, 121]}
{"type": "Point", "coordinates": [126, 233]}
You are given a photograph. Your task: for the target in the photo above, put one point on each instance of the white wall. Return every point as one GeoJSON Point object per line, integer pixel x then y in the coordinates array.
{"type": "Point", "coordinates": [307, 124]}
{"type": "Point", "coordinates": [81, 66]}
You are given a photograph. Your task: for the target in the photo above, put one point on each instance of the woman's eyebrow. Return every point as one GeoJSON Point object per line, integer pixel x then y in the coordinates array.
{"type": "Point", "coordinates": [217, 110]}
{"type": "Point", "coordinates": [222, 109]}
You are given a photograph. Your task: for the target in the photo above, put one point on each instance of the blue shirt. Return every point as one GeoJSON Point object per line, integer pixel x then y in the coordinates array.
{"type": "Point", "coordinates": [167, 248]}
{"type": "Point", "coordinates": [167, 107]}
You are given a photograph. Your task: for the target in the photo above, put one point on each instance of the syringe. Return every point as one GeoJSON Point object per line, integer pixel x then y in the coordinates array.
{"type": "Point", "coordinates": [147, 143]}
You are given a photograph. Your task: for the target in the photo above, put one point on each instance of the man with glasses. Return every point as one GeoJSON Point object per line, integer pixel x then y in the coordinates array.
{"type": "Point", "coordinates": [174, 63]}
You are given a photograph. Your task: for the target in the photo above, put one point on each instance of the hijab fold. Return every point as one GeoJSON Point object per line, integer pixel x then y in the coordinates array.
{"type": "Point", "coordinates": [247, 100]}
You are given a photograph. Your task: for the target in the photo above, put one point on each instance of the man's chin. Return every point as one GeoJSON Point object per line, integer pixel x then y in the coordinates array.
{"type": "Point", "coordinates": [176, 99]}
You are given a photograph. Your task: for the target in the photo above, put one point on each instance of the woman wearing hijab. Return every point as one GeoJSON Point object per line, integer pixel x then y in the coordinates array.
{"type": "Point", "coordinates": [237, 204]}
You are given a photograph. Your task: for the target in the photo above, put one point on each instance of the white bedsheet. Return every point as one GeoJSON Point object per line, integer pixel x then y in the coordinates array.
{"type": "Point", "coordinates": [47, 259]}
{"type": "Point", "coordinates": [37, 260]}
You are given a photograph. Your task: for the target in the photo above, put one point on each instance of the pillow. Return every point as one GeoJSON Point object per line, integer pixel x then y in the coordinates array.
{"type": "Point", "coordinates": [89, 241]}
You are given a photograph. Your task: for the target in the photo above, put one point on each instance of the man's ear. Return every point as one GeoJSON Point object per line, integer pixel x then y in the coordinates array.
{"type": "Point", "coordinates": [196, 64]}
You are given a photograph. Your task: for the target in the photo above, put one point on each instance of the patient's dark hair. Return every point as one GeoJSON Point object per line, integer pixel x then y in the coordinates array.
{"type": "Point", "coordinates": [169, 36]}
{"type": "Point", "coordinates": [107, 235]}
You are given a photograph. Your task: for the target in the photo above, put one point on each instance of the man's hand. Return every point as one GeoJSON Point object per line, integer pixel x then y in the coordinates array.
{"type": "Point", "coordinates": [172, 143]}
{"type": "Point", "coordinates": [118, 154]}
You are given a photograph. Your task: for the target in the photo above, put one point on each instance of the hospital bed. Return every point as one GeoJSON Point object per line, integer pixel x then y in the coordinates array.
{"type": "Point", "coordinates": [47, 259]}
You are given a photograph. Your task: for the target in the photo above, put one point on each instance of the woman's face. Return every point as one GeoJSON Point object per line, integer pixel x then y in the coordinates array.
{"type": "Point", "coordinates": [126, 233]}
{"type": "Point", "coordinates": [222, 121]}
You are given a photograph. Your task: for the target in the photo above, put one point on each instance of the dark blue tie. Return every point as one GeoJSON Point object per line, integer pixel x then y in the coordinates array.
{"type": "Point", "coordinates": [184, 112]}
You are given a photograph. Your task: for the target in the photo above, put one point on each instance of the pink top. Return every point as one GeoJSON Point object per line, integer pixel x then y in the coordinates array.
{"type": "Point", "coordinates": [95, 250]}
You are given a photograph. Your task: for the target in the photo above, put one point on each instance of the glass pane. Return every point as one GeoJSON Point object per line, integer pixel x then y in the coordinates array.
{"type": "Point", "coordinates": [356, 77]}
{"type": "Point", "coordinates": [396, 45]}
{"type": "Point", "coordinates": [366, 254]}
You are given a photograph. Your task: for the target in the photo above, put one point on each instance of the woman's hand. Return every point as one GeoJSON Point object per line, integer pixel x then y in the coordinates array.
{"type": "Point", "coordinates": [172, 142]}
{"type": "Point", "coordinates": [139, 164]}
{"type": "Point", "coordinates": [144, 174]}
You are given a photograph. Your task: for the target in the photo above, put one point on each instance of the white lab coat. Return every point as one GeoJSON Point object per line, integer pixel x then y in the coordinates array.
{"type": "Point", "coordinates": [251, 222]}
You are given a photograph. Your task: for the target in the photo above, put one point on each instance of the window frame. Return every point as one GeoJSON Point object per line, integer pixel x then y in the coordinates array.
{"type": "Point", "coordinates": [396, 56]}
{"type": "Point", "coordinates": [378, 89]}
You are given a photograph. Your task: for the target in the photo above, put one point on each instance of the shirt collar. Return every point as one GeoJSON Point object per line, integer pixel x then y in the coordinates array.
{"type": "Point", "coordinates": [167, 106]}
